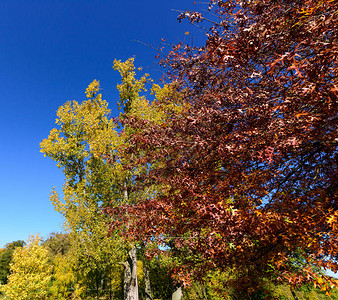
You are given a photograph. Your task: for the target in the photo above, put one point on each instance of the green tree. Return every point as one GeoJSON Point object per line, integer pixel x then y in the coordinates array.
{"type": "Point", "coordinates": [30, 272]}
{"type": "Point", "coordinates": [57, 243]}
{"type": "Point", "coordinates": [6, 258]}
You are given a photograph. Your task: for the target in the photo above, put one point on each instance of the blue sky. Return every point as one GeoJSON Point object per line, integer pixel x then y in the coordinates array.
{"type": "Point", "coordinates": [50, 51]}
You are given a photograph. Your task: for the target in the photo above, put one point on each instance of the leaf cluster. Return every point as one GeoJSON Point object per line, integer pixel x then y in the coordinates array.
{"type": "Point", "coordinates": [248, 166]}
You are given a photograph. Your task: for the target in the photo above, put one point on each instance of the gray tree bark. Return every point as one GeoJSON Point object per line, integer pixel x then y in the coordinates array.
{"type": "Point", "coordinates": [125, 191]}
{"type": "Point", "coordinates": [147, 284]}
{"type": "Point", "coordinates": [130, 286]}
{"type": "Point", "coordinates": [177, 295]}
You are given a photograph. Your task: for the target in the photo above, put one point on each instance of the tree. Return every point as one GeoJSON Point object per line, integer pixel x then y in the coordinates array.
{"type": "Point", "coordinates": [248, 169]}
{"type": "Point", "coordinates": [30, 272]}
{"type": "Point", "coordinates": [90, 146]}
{"type": "Point", "coordinates": [64, 284]}
{"type": "Point", "coordinates": [84, 136]}
{"type": "Point", "coordinates": [57, 243]}
{"type": "Point", "coordinates": [6, 255]}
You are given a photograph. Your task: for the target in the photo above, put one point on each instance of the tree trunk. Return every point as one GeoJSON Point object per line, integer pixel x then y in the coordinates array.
{"type": "Point", "coordinates": [130, 277]}
{"type": "Point", "coordinates": [125, 191]}
{"type": "Point", "coordinates": [294, 294]}
{"type": "Point", "coordinates": [177, 295]}
{"type": "Point", "coordinates": [130, 286]}
{"type": "Point", "coordinates": [147, 284]}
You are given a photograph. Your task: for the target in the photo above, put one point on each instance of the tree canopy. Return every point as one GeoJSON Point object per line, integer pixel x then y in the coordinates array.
{"type": "Point", "coordinates": [248, 168]}
{"type": "Point", "coordinates": [6, 255]}
{"type": "Point", "coordinates": [89, 145]}
{"type": "Point", "coordinates": [30, 272]}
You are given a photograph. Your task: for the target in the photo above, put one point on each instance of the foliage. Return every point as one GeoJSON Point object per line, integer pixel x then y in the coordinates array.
{"type": "Point", "coordinates": [6, 258]}
{"type": "Point", "coordinates": [63, 284]}
{"type": "Point", "coordinates": [162, 284]}
{"type": "Point", "coordinates": [30, 272]}
{"type": "Point", "coordinates": [64, 278]}
{"type": "Point", "coordinates": [305, 292]}
{"type": "Point", "coordinates": [57, 243]}
{"type": "Point", "coordinates": [216, 285]}
{"type": "Point", "coordinates": [248, 168]}
{"type": "Point", "coordinates": [85, 135]}
{"type": "Point", "coordinates": [89, 146]}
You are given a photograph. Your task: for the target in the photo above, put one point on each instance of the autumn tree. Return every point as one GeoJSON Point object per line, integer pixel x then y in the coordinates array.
{"type": "Point", "coordinates": [248, 169]}
{"type": "Point", "coordinates": [63, 285]}
{"type": "Point", "coordinates": [84, 135]}
{"type": "Point", "coordinates": [89, 146]}
{"type": "Point", "coordinates": [133, 104]}
{"type": "Point", "coordinates": [30, 272]}
{"type": "Point", "coordinates": [6, 255]}
{"type": "Point", "coordinates": [64, 281]}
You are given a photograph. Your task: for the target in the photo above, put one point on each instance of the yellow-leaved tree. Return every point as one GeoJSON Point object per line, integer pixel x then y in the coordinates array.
{"type": "Point", "coordinates": [31, 272]}
{"type": "Point", "coordinates": [89, 146]}
{"type": "Point", "coordinates": [64, 280]}
{"type": "Point", "coordinates": [84, 135]}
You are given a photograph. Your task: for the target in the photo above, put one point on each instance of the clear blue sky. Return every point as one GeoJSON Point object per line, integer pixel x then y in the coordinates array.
{"type": "Point", "coordinates": [50, 51]}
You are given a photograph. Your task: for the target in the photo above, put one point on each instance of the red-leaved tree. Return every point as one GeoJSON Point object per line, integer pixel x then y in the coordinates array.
{"type": "Point", "coordinates": [247, 173]}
